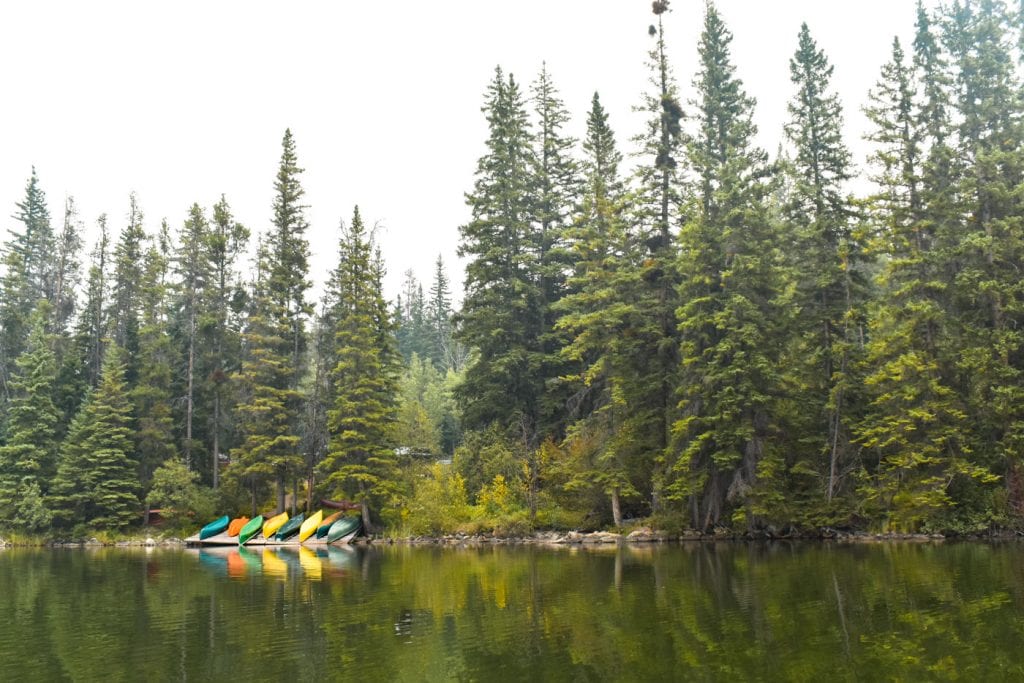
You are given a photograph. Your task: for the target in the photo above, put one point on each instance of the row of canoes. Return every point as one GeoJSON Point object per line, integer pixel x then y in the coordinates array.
{"type": "Point", "coordinates": [333, 528]}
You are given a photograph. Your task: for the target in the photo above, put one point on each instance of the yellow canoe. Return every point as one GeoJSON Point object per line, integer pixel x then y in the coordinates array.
{"type": "Point", "coordinates": [271, 526]}
{"type": "Point", "coordinates": [310, 526]}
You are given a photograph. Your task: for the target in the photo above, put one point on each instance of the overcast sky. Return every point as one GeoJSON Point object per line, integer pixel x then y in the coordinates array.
{"type": "Point", "coordinates": [182, 101]}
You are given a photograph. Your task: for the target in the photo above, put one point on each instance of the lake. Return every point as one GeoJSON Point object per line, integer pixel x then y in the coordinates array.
{"type": "Point", "coordinates": [722, 611]}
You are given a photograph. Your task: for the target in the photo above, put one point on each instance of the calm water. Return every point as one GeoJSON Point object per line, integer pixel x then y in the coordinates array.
{"type": "Point", "coordinates": [695, 612]}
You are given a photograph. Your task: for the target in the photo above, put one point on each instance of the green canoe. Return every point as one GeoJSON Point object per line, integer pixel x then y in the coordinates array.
{"type": "Point", "coordinates": [251, 528]}
{"type": "Point", "coordinates": [291, 527]}
{"type": "Point", "coordinates": [345, 528]}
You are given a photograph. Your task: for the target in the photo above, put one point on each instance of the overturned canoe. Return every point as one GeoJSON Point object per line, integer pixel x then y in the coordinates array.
{"type": "Point", "coordinates": [236, 525]}
{"type": "Point", "coordinates": [309, 527]}
{"type": "Point", "coordinates": [215, 527]}
{"type": "Point", "coordinates": [271, 526]}
{"type": "Point", "coordinates": [251, 528]}
{"type": "Point", "coordinates": [344, 529]}
{"type": "Point", "coordinates": [325, 525]}
{"type": "Point", "coordinates": [290, 528]}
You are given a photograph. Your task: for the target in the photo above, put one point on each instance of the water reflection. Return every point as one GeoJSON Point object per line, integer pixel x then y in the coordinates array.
{"type": "Point", "coordinates": [779, 611]}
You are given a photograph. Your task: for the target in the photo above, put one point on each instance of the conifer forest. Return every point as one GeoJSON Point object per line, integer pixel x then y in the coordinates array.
{"type": "Point", "coordinates": [681, 329]}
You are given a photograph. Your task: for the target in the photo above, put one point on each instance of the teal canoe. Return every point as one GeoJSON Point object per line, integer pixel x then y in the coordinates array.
{"type": "Point", "coordinates": [291, 527]}
{"type": "Point", "coordinates": [344, 529]}
{"type": "Point", "coordinates": [215, 527]}
{"type": "Point", "coordinates": [251, 528]}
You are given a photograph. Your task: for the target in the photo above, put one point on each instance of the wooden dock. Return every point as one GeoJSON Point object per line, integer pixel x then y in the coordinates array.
{"type": "Point", "coordinates": [223, 539]}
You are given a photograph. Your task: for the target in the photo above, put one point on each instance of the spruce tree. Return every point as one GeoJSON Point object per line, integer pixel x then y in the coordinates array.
{"type": "Point", "coordinates": [97, 483]}
{"type": "Point", "coordinates": [500, 314]}
{"type": "Point", "coordinates": [152, 396]}
{"type": "Point", "coordinates": [656, 217]}
{"type": "Point", "coordinates": [27, 276]}
{"type": "Point", "coordinates": [268, 447]}
{"type": "Point", "coordinates": [829, 257]}
{"type": "Point", "coordinates": [28, 459]}
{"type": "Point", "coordinates": [731, 319]}
{"type": "Point", "coordinates": [360, 462]}
{"type": "Point", "coordinates": [595, 314]}
{"type": "Point", "coordinates": [123, 312]}
{"type": "Point", "coordinates": [439, 321]}
{"type": "Point", "coordinates": [192, 268]}
{"type": "Point", "coordinates": [226, 243]}
{"type": "Point", "coordinates": [67, 268]}
{"type": "Point", "coordinates": [288, 271]}
{"type": "Point", "coordinates": [990, 246]}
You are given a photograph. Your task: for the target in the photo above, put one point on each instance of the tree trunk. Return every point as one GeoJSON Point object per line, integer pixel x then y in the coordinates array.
{"type": "Point", "coordinates": [616, 511]}
{"type": "Point", "coordinates": [216, 438]}
{"type": "Point", "coordinates": [280, 494]}
{"type": "Point", "coordinates": [190, 382]}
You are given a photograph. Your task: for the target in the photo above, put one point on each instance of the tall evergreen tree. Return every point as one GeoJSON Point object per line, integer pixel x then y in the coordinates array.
{"type": "Point", "coordinates": [289, 250]}
{"type": "Point", "coordinates": [988, 298]}
{"type": "Point", "coordinates": [91, 327]}
{"type": "Point", "coordinates": [500, 312]}
{"type": "Point", "coordinates": [596, 313]}
{"type": "Point", "coordinates": [360, 461]}
{"type": "Point", "coordinates": [439, 321]}
{"type": "Point", "coordinates": [152, 395]}
{"type": "Point", "coordinates": [192, 267]}
{"type": "Point", "coordinates": [227, 240]}
{"type": "Point", "coordinates": [269, 449]}
{"type": "Point", "coordinates": [28, 459]}
{"type": "Point", "coordinates": [731, 320]}
{"type": "Point", "coordinates": [67, 268]}
{"type": "Point", "coordinates": [27, 275]}
{"type": "Point", "coordinates": [829, 257]}
{"type": "Point", "coordinates": [123, 312]}
{"type": "Point", "coordinates": [656, 217]}
{"type": "Point", "coordinates": [96, 484]}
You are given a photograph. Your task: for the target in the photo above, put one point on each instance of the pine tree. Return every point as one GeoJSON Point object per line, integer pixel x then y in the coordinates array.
{"type": "Point", "coordinates": [556, 188]}
{"type": "Point", "coordinates": [27, 275]}
{"type": "Point", "coordinates": [500, 315]}
{"type": "Point", "coordinates": [91, 326]}
{"type": "Point", "coordinates": [438, 315]}
{"type": "Point", "coordinates": [360, 461]}
{"type": "Point", "coordinates": [28, 459]}
{"type": "Point", "coordinates": [226, 242]}
{"type": "Point", "coordinates": [67, 268]}
{"type": "Point", "coordinates": [123, 312]}
{"type": "Point", "coordinates": [989, 248]}
{"type": "Point", "coordinates": [596, 314]}
{"type": "Point", "coordinates": [655, 216]}
{"type": "Point", "coordinates": [731, 320]}
{"type": "Point", "coordinates": [915, 423]}
{"type": "Point", "coordinates": [829, 256]}
{"type": "Point", "coordinates": [269, 448]}
{"type": "Point", "coordinates": [192, 267]}
{"type": "Point", "coordinates": [152, 395]}
{"type": "Point", "coordinates": [289, 249]}
{"type": "Point", "coordinates": [96, 483]}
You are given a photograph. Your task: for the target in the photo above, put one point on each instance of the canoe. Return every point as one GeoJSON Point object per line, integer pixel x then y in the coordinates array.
{"type": "Point", "coordinates": [344, 529]}
{"type": "Point", "coordinates": [251, 528]}
{"type": "Point", "coordinates": [310, 526]}
{"type": "Point", "coordinates": [236, 525]}
{"type": "Point", "coordinates": [271, 526]}
{"type": "Point", "coordinates": [215, 527]}
{"type": "Point", "coordinates": [290, 528]}
{"type": "Point", "coordinates": [325, 525]}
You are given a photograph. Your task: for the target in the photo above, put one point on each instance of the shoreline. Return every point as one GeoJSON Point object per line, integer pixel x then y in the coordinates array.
{"type": "Point", "coordinates": [565, 539]}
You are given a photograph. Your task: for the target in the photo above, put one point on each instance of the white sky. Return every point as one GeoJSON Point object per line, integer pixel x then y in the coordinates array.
{"type": "Point", "coordinates": [182, 101]}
